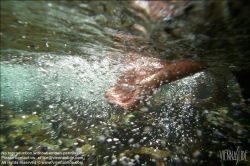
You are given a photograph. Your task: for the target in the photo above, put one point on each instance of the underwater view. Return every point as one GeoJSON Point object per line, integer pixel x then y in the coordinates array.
{"type": "Point", "coordinates": [125, 83]}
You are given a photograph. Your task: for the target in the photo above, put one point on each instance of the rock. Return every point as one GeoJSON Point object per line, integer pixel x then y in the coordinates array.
{"type": "Point", "coordinates": [43, 135]}
{"type": "Point", "coordinates": [223, 111]}
{"type": "Point", "coordinates": [88, 149]}
{"type": "Point", "coordinates": [16, 131]}
{"type": "Point", "coordinates": [36, 128]}
{"type": "Point", "coordinates": [48, 146]}
{"type": "Point", "coordinates": [7, 114]}
{"type": "Point", "coordinates": [23, 140]}
{"type": "Point", "coordinates": [67, 142]}
{"type": "Point", "coordinates": [81, 140]}
{"type": "Point", "coordinates": [128, 118]}
{"type": "Point", "coordinates": [23, 121]}
{"type": "Point", "coordinates": [25, 148]}
{"type": "Point", "coordinates": [2, 139]}
{"type": "Point", "coordinates": [155, 154]}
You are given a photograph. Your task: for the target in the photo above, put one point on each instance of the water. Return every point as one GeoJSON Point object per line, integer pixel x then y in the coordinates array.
{"type": "Point", "coordinates": [57, 60]}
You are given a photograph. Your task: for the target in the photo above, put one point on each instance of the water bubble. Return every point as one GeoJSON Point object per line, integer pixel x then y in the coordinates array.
{"type": "Point", "coordinates": [109, 140]}
{"type": "Point", "coordinates": [114, 161]}
{"type": "Point", "coordinates": [153, 160]}
{"type": "Point", "coordinates": [59, 142]}
{"type": "Point", "coordinates": [50, 4]}
{"type": "Point", "coordinates": [65, 149]}
{"type": "Point", "coordinates": [51, 106]}
{"type": "Point", "coordinates": [199, 133]}
{"type": "Point", "coordinates": [206, 111]}
{"type": "Point", "coordinates": [115, 139]}
{"type": "Point", "coordinates": [177, 159]}
{"type": "Point", "coordinates": [78, 150]}
{"type": "Point", "coordinates": [197, 153]}
{"type": "Point", "coordinates": [147, 129]}
{"type": "Point", "coordinates": [137, 157]}
{"type": "Point", "coordinates": [15, 147]}
{"type": "Point", "coordinates": [144, 109]}
{"type": "Point", "coordinates": [131, 140]}
{"type": "Point", "coordinates": [105, 158]}
{"type": "Point", "coordinates": [101, 138]}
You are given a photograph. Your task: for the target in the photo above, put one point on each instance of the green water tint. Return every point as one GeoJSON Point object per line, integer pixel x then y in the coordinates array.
{"type": "Point", "coordinates": [57, 59]}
